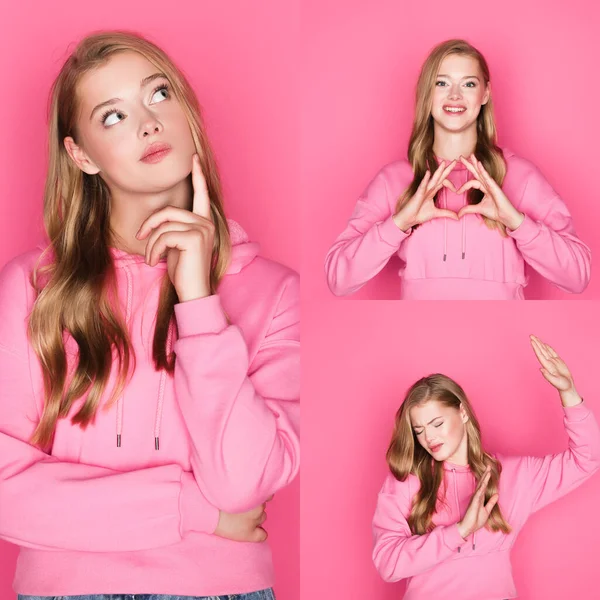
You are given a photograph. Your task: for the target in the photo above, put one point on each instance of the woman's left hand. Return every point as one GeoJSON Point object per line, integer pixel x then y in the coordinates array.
{"type": "Point", "coordinates": [494, 204]}
{"type": "Point", "coordinates": [187, 237]}
{"type": "Point", "coordinates": [553, 368]}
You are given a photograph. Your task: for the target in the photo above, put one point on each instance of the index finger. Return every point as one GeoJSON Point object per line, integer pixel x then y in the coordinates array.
{"type": "Point", "coordinates": [201, 203]}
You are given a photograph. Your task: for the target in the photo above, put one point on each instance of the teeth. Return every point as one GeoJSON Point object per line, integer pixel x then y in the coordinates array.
{"type": "Point", "coordinates": [452, 109]}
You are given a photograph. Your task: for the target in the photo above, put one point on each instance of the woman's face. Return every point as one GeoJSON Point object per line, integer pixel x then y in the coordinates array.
{"type": "Point", "coordinates": [440, 429]}
{"type": "Point", "coordinates": [459, 83]}
{"type": "Point", "coordinates": [113, 137]}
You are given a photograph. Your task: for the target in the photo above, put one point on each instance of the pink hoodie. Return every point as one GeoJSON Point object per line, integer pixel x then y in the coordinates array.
{"type": "Point", "coordinates": [441, 564]}
{"type": "Point", "coordinates": [445, 259]}
{"type": "Point", "coordinates": [223, 433]}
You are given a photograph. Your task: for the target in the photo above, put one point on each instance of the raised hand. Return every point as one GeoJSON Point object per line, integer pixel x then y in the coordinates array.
{"type": "Point", "coordinates": [494, 204]}
{"type": "Point", "coordinates": [477, 512]}
{"type": "Point", "coordinates": [244, 527]}
{"type": "Point", "coordinates": [187, 237]}
{"type": "Point", "coordinates": [421, 207]}
{"type": "Point", "coordinates": [553, 368]}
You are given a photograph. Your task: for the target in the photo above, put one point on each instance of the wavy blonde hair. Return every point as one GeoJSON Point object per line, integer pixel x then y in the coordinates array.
{"type": "Point", "coordinates": [76, 289]}
{"type": "Point", "coordinates": [420, 147]}
{"type": "Point", "coordinates": [405, 455]}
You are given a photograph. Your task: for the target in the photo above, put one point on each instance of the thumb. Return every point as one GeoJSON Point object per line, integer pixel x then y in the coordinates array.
{"type": "Point", "coordinates": [473, 209]}
{"type": "Point", "coordinates": [444, 212]}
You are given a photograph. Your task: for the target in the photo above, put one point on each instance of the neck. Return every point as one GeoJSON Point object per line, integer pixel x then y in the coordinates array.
{"type": "Point", "coordinates": [449, 145]}
{"type": "Point", "coordinates": [460, 458]}
{"type": "Point", "coordinates": [129, 210]}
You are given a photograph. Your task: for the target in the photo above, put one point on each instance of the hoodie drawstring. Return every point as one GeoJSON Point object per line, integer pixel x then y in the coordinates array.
{"type": "Point", "coordinates": [161, 393]}
{"type": "Point", "coordinates": [127, 319]}
{"type": "Point", "coordinates": [163, 375]}
{"type": "Point", "coordinates": [463, 225]}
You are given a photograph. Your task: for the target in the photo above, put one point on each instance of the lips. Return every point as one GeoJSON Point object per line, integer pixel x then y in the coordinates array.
{"type": "Point", "coordinates": [154, 148]}
{"type": "Point", "coordinates": [434, 449]}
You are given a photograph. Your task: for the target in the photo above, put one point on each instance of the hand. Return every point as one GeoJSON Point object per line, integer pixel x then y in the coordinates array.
{"type": "Point", "coordinates": [555, 371]}
{"type": "Point", "coordinates": [188, 239]}
{"type": "Point", "coordinates": [243, 527]}
{"type": "Point", "coordinates": [421, 207]}
{"type": "Point", "coordinates": [477, 513]}
{"type": "Point", "coordinates": [494, 204]}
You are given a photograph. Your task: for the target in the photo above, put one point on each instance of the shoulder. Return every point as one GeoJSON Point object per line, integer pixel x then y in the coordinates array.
{"type": "Point", "coordinates": [521, 170]}
{"type": "Point", "coordinates": [15, 275]}
{"type": "Point", "coordinates": [403, 489]}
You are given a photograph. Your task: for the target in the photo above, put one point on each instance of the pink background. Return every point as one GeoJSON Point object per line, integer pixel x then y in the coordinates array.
{"type": "Point", "coordinates": [362, 61]}
{"type": "Point", "coordinates": [357, 365]}
{"type": "Point", "coordinates": [238, 56]}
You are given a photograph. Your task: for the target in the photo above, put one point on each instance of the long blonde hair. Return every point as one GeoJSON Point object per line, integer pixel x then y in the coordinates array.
{"type": "Point", "coordinates": [79, 280]}
{"type": "Point", "coordinates": [420, 147]}
{"type": "Point", "coordinates": [405, 455]}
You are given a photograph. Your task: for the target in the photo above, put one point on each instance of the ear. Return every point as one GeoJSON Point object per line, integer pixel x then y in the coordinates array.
{"type": "Point", "coordinates": [79, 157]}
{"type": "Point", "coordinates": [487, 94]}
{"type": "Point", "coordinates": [463, 413]}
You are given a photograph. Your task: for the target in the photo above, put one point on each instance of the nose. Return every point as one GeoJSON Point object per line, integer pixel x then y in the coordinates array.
{"type": "Point", "coordinates": [454, 92]}
{"type": "Point", "coordinates": [151, 125]}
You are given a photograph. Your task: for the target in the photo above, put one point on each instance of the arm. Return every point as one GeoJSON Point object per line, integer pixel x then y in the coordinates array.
{"type": "Point", "coordinates": [399, 554]}
{"type": "Point", "coordinates": [49, 504]}
{"type": "Point", "coordinates": [243, 418]}
{"type": "Point", "coordinates": [546, 238]}
{"type": "Point", "coordinates": [551, 477]}
{"type": "Point", "coordinates": [369, 240]}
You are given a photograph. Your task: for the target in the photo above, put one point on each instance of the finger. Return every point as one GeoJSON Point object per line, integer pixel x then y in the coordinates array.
{"type": "Point", "coordinates": [487, 178]}
{"type": "Point", "coordinates": [541, 352]}
{"type": "Point", "coordinates": [444, 212]}
{"type": "Point", "coordinates": [259, 535]}
{"type": "Point", "coordinates": [491, 503]}
{"type": "Point", "coordinates": [555, 381]}
{"type": "Point", "coordinates": [448, 169]}
{"type": "Point", "coordinates": [436, 176]}
{"type": "Point", "coordinates": [449, 185]}
{"type": "Point", "coordinates": [171, 239]}
{"type": "Point", "coordinates": [471, 183]}
{"type": "Point", "coordinates": [423, 185]}
{"type": "Point", "coordinates": [158, 231]}
{"type": "Point", "coordinates": [470, 209]}
{"type": "Point", "coordinates": [167, 213]}
{"type": "Point", "coordinates": [552, 352]}
{"type": "Point", "coordinates": [201, 203]}
{"type": "Point", "coordinates": [471, 168]}
{"type": "Point", "coordinates": [262, 518]}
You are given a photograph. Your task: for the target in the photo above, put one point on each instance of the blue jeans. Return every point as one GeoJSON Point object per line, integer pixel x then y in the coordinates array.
{"type": "Point", "coordinates": [261, 595]}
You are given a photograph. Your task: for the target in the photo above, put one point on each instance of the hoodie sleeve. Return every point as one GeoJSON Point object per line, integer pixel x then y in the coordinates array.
{"type": "Point", "coordinates": [551, 477]}
{"type": "Point", "coordinates": [243, 417]}
{"type": "Point", "coordinates": [367, 243]}
{"type": "Point", "coordinates": [399, 554]}
{"type": "Point", "coordinates": [49, 504]}
{"type": "Point", "coordinates": [546, 238]}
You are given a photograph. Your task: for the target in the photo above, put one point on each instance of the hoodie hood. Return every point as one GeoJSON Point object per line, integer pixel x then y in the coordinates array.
{"type": "Point", "coordinates": [242, 253]}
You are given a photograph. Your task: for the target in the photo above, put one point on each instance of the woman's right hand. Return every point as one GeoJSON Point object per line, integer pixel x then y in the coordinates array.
{"type": "Point", "coordinates": [421, 207]}
{"type": "Point", "coordinates": [243, 527]}
{"type": "Point", "coordinates": [477, 513]}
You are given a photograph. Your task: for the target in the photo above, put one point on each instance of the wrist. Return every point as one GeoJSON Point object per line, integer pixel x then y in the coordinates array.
{"type": "Point", "coordinates": [514, 220]}
{"type": "Point", "coordinates": [402, 223]}
{"type": "Point", "coordinates": [462, 529]}
{"type": "Point", "coordinates": [570, 397]}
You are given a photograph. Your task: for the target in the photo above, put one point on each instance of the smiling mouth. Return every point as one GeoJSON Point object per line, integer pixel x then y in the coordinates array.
{"type": "Point", "coordinates": [454, 110]}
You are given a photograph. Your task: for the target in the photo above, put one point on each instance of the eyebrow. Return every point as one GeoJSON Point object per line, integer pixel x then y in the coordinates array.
{"type": "Point", "coordinates": [465, 77]}
{"type": "Point", "coordinates": [432, 420]}
{"type": "Point", "coordinates": [143, 83]}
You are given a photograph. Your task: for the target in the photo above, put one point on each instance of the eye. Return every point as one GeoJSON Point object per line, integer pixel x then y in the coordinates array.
{"type": "Point", "coordinates": [439, 424]}
{"type": "Point", "coordinates": [471, 82]}
{"type": "Point", "coordinates": [441, 82]}
{"type": "Point", "coordinates": [163, 87]}
{"type": "Point", "coordinates": [417, 433]}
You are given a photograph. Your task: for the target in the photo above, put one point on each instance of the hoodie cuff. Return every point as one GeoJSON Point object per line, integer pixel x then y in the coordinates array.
{"type": "Point", "coordinates": [526, 232]}
{"type": "Point", "coordinates": [201, 315]}
{"type": "Point", "coordinates": [452, 537]}
{"type": "Point", "coordinates": [195, 511]}
{"type": "Point", "coordinates": [390, 233]}
{"type": "Point", "coordinates": [576, 413]}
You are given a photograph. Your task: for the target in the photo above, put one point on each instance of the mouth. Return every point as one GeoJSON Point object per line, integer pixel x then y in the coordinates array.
{"type": "Point", "coordinates": [454, 110]}
{"type": "Point", "coordinates": [435, 449]}
{"type": "Point", "coordinates": [155, 152]}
